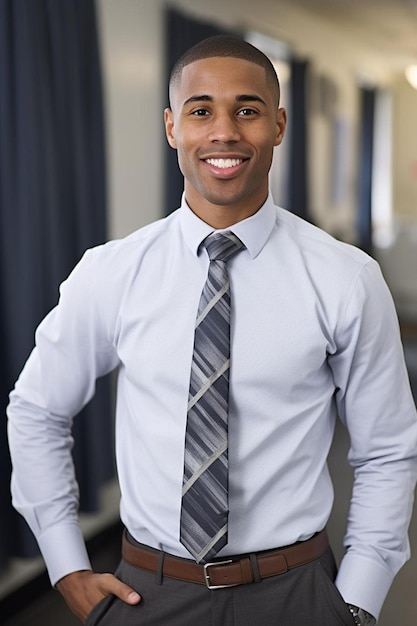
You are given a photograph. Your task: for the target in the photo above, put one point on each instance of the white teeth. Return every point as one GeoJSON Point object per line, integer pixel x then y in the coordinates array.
{"type": "Point", "coordinates": [224, 163]}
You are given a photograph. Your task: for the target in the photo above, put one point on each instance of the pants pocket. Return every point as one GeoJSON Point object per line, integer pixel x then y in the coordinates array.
{"type": "Point", "coordinates": [99, 610]}
{"type": "Point", "coordinates": [333, 598]}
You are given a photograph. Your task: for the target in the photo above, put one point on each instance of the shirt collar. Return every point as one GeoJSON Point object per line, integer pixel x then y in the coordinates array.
{"type": "Point", "coordinates": [253, 231]}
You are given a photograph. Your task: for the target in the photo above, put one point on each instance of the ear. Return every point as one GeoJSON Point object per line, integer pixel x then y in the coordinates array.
{"type": "Point", "coordinates": [169, 127]}
{"type": "Point", "coordinates": [281, 126]}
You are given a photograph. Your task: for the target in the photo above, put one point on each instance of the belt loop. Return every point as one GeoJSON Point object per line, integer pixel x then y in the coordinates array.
{"type": "Point", "coordinates": [160, 568]}
{"type": "Point", "coordinates": [255, 568]}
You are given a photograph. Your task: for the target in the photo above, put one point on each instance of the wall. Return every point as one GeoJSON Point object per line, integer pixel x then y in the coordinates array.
{"type": "Point", "coordinates": [405, 149]}
{"type": "Point", "coordinates": [399, 260]}
{"type": "Point", "coordinates": [131, 35]}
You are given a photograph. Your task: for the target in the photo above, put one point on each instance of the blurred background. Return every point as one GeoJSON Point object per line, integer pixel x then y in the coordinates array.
{"type": "Point", "coordinates": [83, 159]}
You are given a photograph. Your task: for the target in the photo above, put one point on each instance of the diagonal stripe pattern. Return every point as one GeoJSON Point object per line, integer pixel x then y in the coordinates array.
{"type": "Point", "coordinates": [204, 510]}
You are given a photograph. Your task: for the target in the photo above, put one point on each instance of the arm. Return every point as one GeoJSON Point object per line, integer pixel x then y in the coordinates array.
{"type": "Point", "coordinates": [374, 401]}
{"type": "Point", "coordinates": [73, 348]}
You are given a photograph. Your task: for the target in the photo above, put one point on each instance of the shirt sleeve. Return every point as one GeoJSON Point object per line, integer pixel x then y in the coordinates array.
{"type": "Point", "coordinates": [375, 403]}
{"type": "Point", "coordinates": [73, 348]}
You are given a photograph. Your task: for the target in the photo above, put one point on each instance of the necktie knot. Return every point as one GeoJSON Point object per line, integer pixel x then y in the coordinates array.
{"type": "Point", "coordinates": [221, 246]}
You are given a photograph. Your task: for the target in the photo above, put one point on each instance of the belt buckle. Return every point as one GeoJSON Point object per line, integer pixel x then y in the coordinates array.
{"type": "Point", "coordinates": [207, 575]}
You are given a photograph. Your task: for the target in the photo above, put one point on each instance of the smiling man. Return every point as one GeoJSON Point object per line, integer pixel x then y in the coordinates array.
{"type": "Point", "coordinates": [240, 334]}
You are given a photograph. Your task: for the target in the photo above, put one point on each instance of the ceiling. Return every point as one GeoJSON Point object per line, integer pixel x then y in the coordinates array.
{"type": "Point", "coordinates": [388, 27]}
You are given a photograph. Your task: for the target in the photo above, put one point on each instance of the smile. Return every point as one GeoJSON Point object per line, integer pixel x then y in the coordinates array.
{"type": "Point", "coordinates": [224, 163]}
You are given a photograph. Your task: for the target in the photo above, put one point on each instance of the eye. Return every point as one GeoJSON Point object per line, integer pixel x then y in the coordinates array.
{"type": "Point", "coordinates": [200, 112]}
{"type": "Point", "coordinates": [247, 112]}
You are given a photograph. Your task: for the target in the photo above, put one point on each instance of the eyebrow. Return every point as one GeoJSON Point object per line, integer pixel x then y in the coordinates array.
{"type": "Point", "coordinates": [240, 98]}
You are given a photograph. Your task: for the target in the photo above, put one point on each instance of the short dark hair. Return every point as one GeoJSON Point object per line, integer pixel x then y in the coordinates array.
{"type": "Point", "coordinates": [226, 46]}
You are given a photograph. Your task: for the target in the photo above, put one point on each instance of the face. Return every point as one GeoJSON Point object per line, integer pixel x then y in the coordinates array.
{"type": "Point", "coordinates": [224, 122]}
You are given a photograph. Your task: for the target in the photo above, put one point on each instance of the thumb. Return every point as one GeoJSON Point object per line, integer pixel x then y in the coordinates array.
{"type": "Point", "coordinates": [109, 584]}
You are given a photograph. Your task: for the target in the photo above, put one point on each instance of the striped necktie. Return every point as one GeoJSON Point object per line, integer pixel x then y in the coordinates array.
{"type": "Point", "coordinates": [204, 511]}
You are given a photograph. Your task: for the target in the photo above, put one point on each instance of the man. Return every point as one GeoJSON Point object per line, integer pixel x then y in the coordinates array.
{"type": "Point", "coordinates": [303, 328]}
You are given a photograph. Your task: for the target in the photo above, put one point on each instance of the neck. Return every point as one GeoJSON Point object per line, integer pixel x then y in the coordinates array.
{"type": "Point", "coordinates": [221, 217]}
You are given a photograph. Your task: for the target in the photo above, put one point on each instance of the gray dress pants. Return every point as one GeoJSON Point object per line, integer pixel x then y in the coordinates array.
{"type": "Point", "coordinates": [304, 596]}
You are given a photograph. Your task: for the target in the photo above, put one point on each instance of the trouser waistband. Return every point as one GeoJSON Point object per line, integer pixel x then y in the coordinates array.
{"type": "Point", "coordinates": [231, 571]}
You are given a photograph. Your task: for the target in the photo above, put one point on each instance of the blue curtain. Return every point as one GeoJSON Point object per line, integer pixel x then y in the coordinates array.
{"type": "Point", "coordinates": [364, 215]}
{"type": "Point", "coordinates": [52, 207]}
{"type": "Point", "coordinates": [298, 194]}
{"type": "Point", "coordinates": [181, 33]}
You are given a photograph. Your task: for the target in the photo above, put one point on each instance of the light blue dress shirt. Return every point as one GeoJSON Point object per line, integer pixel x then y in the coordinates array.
{"type": "Point", "coordinates": [314, 335]}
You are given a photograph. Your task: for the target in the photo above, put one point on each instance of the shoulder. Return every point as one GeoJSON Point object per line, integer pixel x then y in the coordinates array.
{"type": "Point", "coordinates": [106, 270]}
{"type": "Point", "coordinates": [338, 272]}
{"type": "Point", "coordinates": [122, 256]}
{"type": "Point", "coordinates": [310, 237]}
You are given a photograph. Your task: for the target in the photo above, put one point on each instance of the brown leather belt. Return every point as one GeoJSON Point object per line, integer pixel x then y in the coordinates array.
{"type": "Point", "coordinates": [230, 572]}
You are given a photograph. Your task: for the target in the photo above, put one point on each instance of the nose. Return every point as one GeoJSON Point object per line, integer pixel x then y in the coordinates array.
{"type": "Point", "coordinates": [224, 128]}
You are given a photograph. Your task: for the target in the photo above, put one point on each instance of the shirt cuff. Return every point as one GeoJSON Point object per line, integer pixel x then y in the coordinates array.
{"type": "Point", "coordinates": [64, 551]}
{"type": "Point", "coordinates": [362, 582]}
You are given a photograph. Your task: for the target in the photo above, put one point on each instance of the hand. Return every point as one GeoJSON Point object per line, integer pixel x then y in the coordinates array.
{"type": "Point", "coordinates": [83, 590]}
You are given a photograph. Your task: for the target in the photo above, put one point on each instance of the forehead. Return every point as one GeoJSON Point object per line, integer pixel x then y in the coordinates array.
{"type": "Point", "coordinates": [220, 76]}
